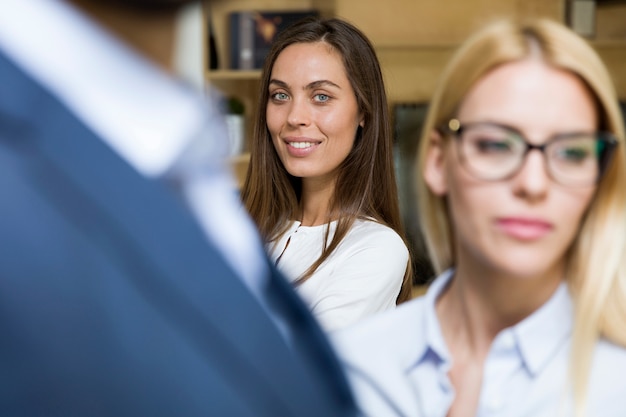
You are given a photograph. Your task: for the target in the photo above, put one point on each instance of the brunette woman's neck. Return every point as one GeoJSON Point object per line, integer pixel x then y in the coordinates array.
{"type": "Point", "coordinates": [315, 203]}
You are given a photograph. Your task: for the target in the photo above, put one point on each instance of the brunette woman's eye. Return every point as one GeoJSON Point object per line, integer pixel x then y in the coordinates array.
{"type": "Point", "coordinates": [280, 96]}
{"type": "Point", "coordinates": [321, 98]}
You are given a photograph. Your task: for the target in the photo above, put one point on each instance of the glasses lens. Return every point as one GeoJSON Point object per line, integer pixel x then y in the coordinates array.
{"type": "Point", "coordinates": [575, 160]}
{"type": "Point", "coordinates": [491, 152]}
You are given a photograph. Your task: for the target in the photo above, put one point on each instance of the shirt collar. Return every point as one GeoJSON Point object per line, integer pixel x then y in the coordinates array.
{"type": "Point", "coordinates": [145, 115]}
{"type": "Point", "coordinates": [538, 337]}
{"type": "Point", "coordinates": [432, 344]}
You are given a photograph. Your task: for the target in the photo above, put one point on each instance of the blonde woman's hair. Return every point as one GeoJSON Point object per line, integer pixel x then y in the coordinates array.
{"type": "Point", "coordinates": [596, 269]}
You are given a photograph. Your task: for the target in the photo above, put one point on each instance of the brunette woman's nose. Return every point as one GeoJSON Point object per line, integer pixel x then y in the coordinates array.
{"type": "Point", "coordinates": [298, 114]}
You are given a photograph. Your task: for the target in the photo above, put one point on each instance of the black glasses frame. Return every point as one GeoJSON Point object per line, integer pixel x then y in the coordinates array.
{"type": "Point", "coordinates": [455, 128]}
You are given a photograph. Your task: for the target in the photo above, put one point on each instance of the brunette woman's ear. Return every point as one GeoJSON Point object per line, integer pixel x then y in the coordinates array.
{"type": "Point", "coordinates": [434, 171]}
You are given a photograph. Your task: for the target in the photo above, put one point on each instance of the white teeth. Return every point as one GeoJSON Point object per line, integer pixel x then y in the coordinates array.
{"type": "Point", "coordinates": [301, 145]}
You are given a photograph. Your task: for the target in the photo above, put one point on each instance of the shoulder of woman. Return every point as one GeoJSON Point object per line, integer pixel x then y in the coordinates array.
{"type": "Point", "coordinates": [376, 241]}
{"type": "Point", "coordinates": [606, 384]}
{"type": "Point", "coordinates": [371, 230]}
{"type": "Point", "coordinates": [610, 358]}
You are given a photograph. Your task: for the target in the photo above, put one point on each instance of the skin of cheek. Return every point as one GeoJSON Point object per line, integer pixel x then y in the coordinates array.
{"type": "Point", "coordinates": [338, 133]}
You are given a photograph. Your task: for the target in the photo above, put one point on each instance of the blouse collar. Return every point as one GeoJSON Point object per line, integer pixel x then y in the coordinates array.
{"type": "Point", "coordinates": [536, 338]}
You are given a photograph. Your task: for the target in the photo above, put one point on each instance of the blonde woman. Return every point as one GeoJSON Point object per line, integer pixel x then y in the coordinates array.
{"type": "Point", "coordinates": [522, 187]}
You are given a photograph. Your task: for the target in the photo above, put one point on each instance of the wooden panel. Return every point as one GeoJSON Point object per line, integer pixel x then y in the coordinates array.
{"type": "Point", "coordinates": [239, 167]}
{"type": "Point", "coordinates": [412, 73]}
{"type": "Point", "coordinates": [610, 41]}
{"type": "Point", "coordinates": [435, 22]}
{"type": "Point", "coordinates": [553, 9]}
{"type": "Point", "coordinates": [611, 21]}
{"type": "Point", "coordinates": [325, 7]}
{"type": "Point", "coordinates": [614, 56]}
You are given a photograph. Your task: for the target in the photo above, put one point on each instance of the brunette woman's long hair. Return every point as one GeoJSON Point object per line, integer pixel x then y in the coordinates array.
{"type": "Point", "coordinates": [365, 185]}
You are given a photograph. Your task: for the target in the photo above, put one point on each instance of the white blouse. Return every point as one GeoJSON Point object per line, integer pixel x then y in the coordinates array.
{"type": "Point", "coordinates": [362, 276]}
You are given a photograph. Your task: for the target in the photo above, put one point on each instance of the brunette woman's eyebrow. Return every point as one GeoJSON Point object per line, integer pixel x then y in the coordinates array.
{"type": "Point", "coordinates": [311, 86]}
{"type": "Point", "coordinates": [279, 83]}
{"type": "Point", "coordinates": [321, 83]}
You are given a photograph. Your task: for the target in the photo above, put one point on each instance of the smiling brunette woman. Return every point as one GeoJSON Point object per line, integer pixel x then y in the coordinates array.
{"type": "Point", "coordinates": [523, 203]}
{"type": "Point", "coordinates": [321, 184]}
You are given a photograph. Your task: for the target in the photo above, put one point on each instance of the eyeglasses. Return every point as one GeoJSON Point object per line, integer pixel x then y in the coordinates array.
{"type": "Point", "coordinates": [493, 152]}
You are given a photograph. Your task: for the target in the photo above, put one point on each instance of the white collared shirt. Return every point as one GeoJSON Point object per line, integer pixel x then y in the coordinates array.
{"type": "Point", "coordinates": [142, 113]}
{"type": "Point", "coordinates": [398, 364]}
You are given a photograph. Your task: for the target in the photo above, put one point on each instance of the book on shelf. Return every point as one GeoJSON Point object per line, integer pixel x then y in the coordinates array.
{"type": "Point", "coordinates": [252, 33]}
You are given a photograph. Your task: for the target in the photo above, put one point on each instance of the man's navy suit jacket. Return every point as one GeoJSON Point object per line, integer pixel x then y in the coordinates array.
{"type": "Point", "coordinates": [113, 302]}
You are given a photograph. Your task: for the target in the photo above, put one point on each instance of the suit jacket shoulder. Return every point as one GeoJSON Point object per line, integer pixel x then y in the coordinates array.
{"type": "Point", "coordinates": [113, 301]}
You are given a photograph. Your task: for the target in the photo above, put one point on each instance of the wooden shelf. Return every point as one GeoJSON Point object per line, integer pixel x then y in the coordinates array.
{"type": "Point", "coordinates": [608, 43]}
{"type": "Point", "coordinates": [216, 75]}
{"type": "Point", "coordinates": [408, 23]}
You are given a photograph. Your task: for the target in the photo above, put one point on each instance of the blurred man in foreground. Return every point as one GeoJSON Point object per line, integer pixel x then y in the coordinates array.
{"type": "Point", "coordinates": [131, 283]}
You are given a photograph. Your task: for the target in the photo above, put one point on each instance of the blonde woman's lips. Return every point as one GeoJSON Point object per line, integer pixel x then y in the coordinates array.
{"type": "Point", "coordinates": [522, 228]}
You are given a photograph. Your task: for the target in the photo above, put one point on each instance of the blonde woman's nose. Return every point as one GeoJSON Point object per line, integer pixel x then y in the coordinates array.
{"type": "Point", "coordinates": [532, 180]}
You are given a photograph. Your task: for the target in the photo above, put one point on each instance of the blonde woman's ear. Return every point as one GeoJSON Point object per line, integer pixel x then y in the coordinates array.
{"type": "Point", "coordinates": [434, 170]}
